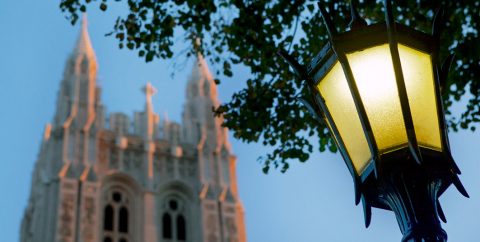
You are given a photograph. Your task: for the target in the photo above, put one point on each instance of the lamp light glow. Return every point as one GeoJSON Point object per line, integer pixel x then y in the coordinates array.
{"type": "Point", "coordinates": [374, 76]}
{"type": "Point", "coordinates": [339, 101]}
{"type": "Point", "coordinates": [418, 74]}
{"type": "Point", "coordinates": [375, 79]}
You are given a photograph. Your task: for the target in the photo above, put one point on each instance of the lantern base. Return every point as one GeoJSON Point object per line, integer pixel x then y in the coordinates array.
{"type": "Point", "coordinates": [412, 196]}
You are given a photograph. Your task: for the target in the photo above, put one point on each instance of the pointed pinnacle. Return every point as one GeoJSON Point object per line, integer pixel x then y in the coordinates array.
{"type": "Point", "coordinates": [440, 212]}
{"type": "Point", "coordinates": [84, 23]}
{"type": "Point", "coordinates": [297, 68]}
{"type": "Point", "coordinates": [447, 64]}
{"type": "Point", "coordinates": [458, 184]}
{"type": "Point", "coordinates": [445, 68]}
{"type": "Point", "coordinates": [389, 19]}
{"type": "Point", "coordinates": [367, 211]}
{"type": "Point", "coordinates": [327, 20]}
{"type": "Point", "coordinates": [358, 193]}
{"type": "Point", "coordinates": [438, 21]}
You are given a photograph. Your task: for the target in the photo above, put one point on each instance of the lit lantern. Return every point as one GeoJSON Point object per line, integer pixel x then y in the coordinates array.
{"type": "Point", "coordinates": [377, 88]}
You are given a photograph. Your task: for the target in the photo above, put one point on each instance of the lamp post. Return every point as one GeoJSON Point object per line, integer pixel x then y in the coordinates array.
{"type": "Point", "coordinates": [377, 88]}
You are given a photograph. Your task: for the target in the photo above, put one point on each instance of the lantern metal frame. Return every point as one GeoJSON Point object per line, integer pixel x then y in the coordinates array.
{"type": "Point", "coordinates": [390, 180]}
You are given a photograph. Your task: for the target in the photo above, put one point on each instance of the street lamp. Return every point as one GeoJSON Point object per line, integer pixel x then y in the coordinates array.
{"type": "Point", "coordinates": [377, 88]}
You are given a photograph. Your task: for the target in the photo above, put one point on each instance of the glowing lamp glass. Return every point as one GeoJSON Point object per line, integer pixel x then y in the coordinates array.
{"type": "Point", "coordinates": [419, 80]}
{"type": "Point", "coordinates": [339, 102]}
{"type": "Point", "coordinates": [374, 77]}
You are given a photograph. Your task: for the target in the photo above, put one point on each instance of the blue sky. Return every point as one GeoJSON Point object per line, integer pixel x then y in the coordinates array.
{"type": "Point", "coordinates": [313, 201]}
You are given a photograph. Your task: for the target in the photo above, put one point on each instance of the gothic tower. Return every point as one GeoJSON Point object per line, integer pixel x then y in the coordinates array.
{"type": "Point", "coordinates": [132, 180]}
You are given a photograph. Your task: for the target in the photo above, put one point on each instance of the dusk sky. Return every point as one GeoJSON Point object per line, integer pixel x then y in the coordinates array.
{"type": "Point", "coordinates": [312, 201]}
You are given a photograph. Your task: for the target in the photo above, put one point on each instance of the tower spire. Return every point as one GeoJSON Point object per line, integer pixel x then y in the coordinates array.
{"type": "Point", "coordinates": [78, 102]}
{"type": "Point", "coordinates": [79, 81]}
{"type": "Point", "coordinates": [201, 81]}
{"type": "Point", "coordinates": [198, 117]}
{"type": "Point", "coordinates": [84, 45]}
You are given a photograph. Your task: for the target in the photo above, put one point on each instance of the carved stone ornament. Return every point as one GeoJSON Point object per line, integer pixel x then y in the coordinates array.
{"type": "Point", "coordinates": [66, 217]}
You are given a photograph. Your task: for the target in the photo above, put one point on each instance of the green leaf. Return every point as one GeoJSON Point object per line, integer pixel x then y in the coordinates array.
{"type": "Point", "coordinates": [310, 7]}
{"type": "Point", "coordinates": [103, 6]}
{"type": "Point", "coordinates": [149, 56]}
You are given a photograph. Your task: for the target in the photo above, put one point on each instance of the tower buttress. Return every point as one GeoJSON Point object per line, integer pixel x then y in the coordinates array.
{"type": "Point", "coordinates": [216, 162]}
{"type": "Point", "coordinates": [200, 126]}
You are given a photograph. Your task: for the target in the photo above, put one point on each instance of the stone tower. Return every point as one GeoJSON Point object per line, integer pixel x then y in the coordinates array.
{"type": "Point", "coordinates": [139, 179]}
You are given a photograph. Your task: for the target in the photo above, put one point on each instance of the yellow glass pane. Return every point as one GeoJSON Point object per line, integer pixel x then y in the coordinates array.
{"type": "Point", "coordinates": [373, 72]}
{"type": "Point", "coordinates": [418, 74]}
{"type": "Point", "coordinates": [335, 91]}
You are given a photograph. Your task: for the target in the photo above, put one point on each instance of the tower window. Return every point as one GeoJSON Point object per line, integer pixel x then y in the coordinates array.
{"type": "Point", "coordinates": [167, 226]}
{"type": "Point", "coordinates": [108, 218]}
{"type": "Point", "coordinates": [174, 222]}
{"type": "Point", "coordinates": [181, 230]}
{"type": "Point", "coordinates": [117, 217]}
{"type": "Point", "coordinates": [123, 220]}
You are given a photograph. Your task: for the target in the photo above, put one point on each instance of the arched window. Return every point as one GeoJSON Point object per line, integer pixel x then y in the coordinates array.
{"type": "Point", "coordinates": [167, 226]}
{"type": "Point", "coordinates": [123, 220]}
{"type": "Point", "coordinates": [181, 230]}
{"type": "Point", "coordinates": [108, 219]}
{"type": "Point", "coordinates": [117, 224]}
{"type": "Point", "coordinates": [174, 222]}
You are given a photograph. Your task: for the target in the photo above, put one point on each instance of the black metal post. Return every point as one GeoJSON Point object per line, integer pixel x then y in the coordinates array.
{"type": "Point", "coordinates": [412, 196]}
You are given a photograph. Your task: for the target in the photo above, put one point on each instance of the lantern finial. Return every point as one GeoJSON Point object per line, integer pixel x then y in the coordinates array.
{"type": "Point", "coordinates": [447, 63]}
{"type": "Point", "coordinates": [297, 68]}
{"type": "Point", "coordinates": [301, 73]}
{"type": "Point", "coordinates": [438, 21]}
{"type": "Point", "coordinates": [327, 20]}
{"type": "Point", "coordinates": [357, 21]}
{"type": "Point", "coordinates": [389, 13]}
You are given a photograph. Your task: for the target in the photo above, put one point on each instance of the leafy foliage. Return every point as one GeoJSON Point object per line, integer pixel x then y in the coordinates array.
{"type": "Point", "coordinates": [250, 32]}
